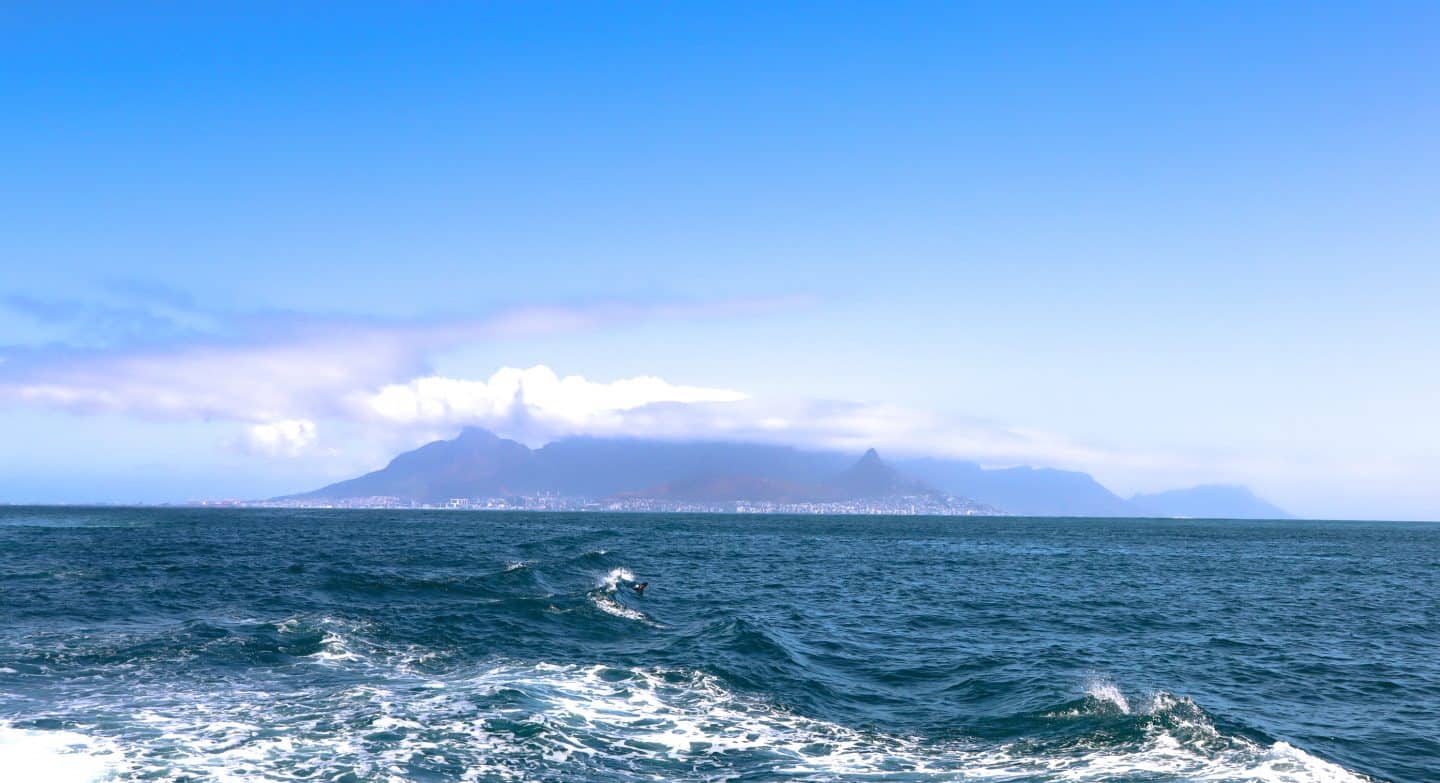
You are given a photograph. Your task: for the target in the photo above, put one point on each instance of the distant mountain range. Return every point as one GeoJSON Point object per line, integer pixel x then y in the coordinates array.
{"type": "Point", "coordinates": [479, 464]}
{"type": "Point", "coordinates": [1209, 500]}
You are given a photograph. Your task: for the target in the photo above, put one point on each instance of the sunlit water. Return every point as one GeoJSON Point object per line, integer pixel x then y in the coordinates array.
{"type": "Point", "coordinates": [178, 645]}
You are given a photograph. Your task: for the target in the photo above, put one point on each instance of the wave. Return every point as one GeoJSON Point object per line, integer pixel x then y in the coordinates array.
{"type": "Point", "coordinates": [527, 721]}
{"type": "Point", "coordinates": [604, 596]}
{"type": "Point", "coordinates": [1106, 692]}
{"type": "Point", "coordinates": [615, 578]}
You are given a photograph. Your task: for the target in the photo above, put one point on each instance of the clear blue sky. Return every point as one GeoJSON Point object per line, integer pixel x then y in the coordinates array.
{"type": "Point", "coordinates": [1165, 243]}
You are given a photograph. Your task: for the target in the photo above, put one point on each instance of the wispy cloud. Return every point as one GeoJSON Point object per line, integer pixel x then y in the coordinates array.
{"type": "Point", "coordinates": [174, 362]}
{"type": "Point", "coordinates": [282, 376]}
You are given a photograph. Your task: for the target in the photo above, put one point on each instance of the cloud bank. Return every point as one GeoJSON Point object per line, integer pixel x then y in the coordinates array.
{"type": "Point", "coordinates": [535, 394]}
{"type": "Point", "coordinates": [536, 405]}
{"type": "Point", "coordinates": [296, 385]}
{"type": "Point", "coordinates": [272, 366]}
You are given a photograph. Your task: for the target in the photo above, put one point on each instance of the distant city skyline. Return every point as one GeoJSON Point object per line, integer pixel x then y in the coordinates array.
{"type": "Point", "coordinates": [250, 253]}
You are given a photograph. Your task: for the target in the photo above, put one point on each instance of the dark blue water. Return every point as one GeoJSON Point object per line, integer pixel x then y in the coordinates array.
{"type": "Point", "coordinates": [142, 644]}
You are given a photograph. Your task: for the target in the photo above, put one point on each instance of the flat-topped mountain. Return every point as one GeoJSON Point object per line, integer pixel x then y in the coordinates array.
{"type": "Point", "coordinates": [480, 464]}
{"type": "Point", "coordinates": [868, 479]}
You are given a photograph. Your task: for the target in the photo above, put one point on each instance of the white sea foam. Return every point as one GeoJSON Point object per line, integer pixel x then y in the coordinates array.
{"type": "Point", "coordinates": [612, 580]}
{"type": "Point", "coordinates": [520, 721]}
{"type": "Point", "coordinates": [1107, 692]}
{"type": "Point", "coordinates": [603, 597]}
{"type": "Point", "coordinates": [55, 756]}
{"type": "Point", "coordinates": [606, 603]}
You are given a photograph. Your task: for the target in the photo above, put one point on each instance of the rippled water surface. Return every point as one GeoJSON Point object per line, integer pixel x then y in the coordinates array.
{"type": "Point", "coordinates": [193, 645]}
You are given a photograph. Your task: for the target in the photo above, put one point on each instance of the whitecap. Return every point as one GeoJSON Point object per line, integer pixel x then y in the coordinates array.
{"type": "Point", "coordinates": [55, 756]}
{"type": "Point", "coordinates": [1109, 693]}
{"type": "Point", "coordinates": [613, 580]}
{"type": "Point", "coordinates": [520, 721]}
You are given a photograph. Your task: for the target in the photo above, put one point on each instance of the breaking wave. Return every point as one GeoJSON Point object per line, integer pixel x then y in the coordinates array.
{"type": "Point", "coordinates": [515, 721]}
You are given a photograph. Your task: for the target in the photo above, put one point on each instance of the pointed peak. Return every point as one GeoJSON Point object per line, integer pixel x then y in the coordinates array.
{"type": "Point", "coordinates": [476, 433]}
{"type": "Point", "coordinates": [871, 455]}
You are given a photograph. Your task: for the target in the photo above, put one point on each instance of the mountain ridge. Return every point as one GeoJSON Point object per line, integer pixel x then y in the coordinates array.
{"type": "Point", "coordinates": [1214, 501]}
{"type": "Point", "coordinates": [480, 464]}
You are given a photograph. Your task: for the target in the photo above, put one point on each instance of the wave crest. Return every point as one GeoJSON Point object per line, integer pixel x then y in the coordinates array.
{"type": "Point", "coordinates": [599, 722]}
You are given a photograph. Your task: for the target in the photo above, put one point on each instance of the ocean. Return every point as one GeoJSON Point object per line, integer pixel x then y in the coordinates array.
{"type": "Point", "coordinates": [284, 645]}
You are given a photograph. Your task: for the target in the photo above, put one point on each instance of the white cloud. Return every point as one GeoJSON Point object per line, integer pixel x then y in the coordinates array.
{"type": "Point", "coordinates": [289, 366]}
{"type": "Point", "coordinates": [245, 383]}
{"type": "Point", "coordinates": [277, 374]}
{"type": "Point", "coordinates": [536, 405]}
{"type": "Point", "coordinates": [855, 426]}
{"type": "Point", "coordinates": [285, 438]}
{"type": "Point", "coordinates": [536, 394]}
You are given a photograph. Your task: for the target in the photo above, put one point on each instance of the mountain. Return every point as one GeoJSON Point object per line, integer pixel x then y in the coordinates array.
{"type": "Point", "coordinates": [479, 464]}
{"type": "Point", "coordinates": [1210, 501]}
{"type": "Point", "coordinates": [727, 488]}
{"type": "Point", "coordinates": [872, 478]}
{"type": "Point", "coordinates": [475, 464]}
{"type": "Point", "coordinates": [599, 467]}
{"type": "Point", "coordinates": [1025, 491]}
{"type": "Point", "coordinates": [868, 479]}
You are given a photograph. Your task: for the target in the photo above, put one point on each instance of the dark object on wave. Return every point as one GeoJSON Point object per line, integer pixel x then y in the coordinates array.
{"type": "Point", "coordinates": [639, 587]}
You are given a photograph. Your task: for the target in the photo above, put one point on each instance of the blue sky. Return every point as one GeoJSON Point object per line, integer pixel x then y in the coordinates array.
{"type": "Point", "coordinates": [1167, 245]}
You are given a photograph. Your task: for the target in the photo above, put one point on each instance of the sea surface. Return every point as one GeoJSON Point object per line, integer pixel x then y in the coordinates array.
{"type": "Point", "coordinates": [260, 645]}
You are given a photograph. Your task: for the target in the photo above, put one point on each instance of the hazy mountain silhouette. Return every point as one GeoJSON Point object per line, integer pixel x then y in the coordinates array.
{"type": "Point", "coordinates": [727, 488]}
{"type": "Point", "coordinates": [598, 467]}
{"type": "Point", "coordinates": [872, 478]}
{"type": "Point", "coordinates": [479, 464]}
{"type": "Point", "coordinates": [1214, 501]}
{"type": "Point", "coordinates": [1026, 491]}
{"type": "Point", "coordinates": [869, 478]}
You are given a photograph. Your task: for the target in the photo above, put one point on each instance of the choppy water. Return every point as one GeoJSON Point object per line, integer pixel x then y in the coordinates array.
{"type": "Point", "coordinates": [179, 645]}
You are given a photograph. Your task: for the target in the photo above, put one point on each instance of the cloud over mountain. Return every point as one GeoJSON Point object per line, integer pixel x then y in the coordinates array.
{"type": "Point", "coordinates": [292, 385]}
{"type": "Point", "coordinates": [537, 393]}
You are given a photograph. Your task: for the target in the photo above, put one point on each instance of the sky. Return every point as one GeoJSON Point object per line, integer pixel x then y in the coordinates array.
{"type": "Point", "coordinates": [249, 249]}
